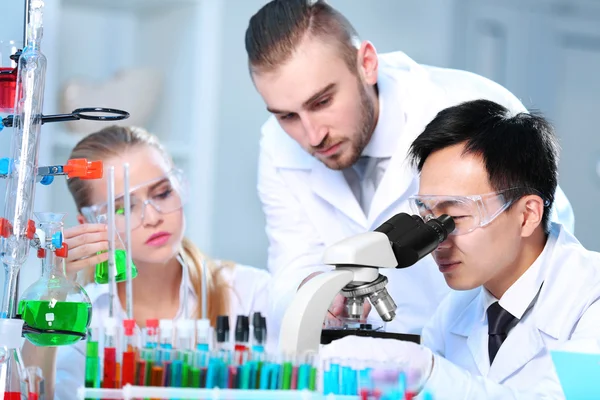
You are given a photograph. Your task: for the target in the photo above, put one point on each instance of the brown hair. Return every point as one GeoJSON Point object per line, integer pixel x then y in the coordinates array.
{"type": "Point", "coordinates": [276, 30]}
{"type": "Point", "coordinates": [114, 140]}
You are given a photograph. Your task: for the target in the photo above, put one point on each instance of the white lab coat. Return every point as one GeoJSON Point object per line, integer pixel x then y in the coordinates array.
{"type": "Point", "coordinates": [566, 316]}
{"type": "Point", "coordinates": [249, 293]}
{"type": "Point", "coordinates": [309, 207]}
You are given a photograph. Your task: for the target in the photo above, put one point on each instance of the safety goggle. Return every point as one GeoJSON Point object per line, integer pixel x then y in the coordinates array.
{"type": "Point", "coordinates": [165, 194]}
{"type": "Point", "coordinates": [468, 212]}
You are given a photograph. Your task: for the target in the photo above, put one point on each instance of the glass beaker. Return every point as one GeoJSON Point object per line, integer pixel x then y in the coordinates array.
{"type": "Point", "coordinates": [56, 310]}
{"type": "Point", "coordinates": [8, 75]}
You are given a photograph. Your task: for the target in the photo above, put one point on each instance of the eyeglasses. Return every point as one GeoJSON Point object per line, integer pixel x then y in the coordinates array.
{"type": "Point", "coordinates": [468, 212]}
{"type": "Point", "coordinates": [165, 194]}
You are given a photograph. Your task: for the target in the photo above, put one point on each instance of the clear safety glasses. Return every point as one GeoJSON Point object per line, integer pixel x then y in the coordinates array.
{"type": "Point", "coordinates": [468, 212]}
{"type": "Point", "coordinates": [165, 194]}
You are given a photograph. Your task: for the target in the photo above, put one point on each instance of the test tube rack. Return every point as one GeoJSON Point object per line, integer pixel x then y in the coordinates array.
{"type": "Point", "coordinates": [130, 392]}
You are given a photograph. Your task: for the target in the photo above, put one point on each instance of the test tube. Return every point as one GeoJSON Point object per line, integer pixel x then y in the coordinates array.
{"type": "Point", "coordinates": [34, 383]}
{"type": "Point", "coordinates": [92, 359]}
{"type": "Point", "coordinates": [242, 335]}
{"type": "Point", "coordinates": [203, 335]}
{"type": "Point", "coordinates": [304, 371]}
{"type": "Point", "coordinates": [259, 333]}
{"type": "Point", "coordinates": [130, 346]}
{"type": "Point", "coordinates": [151, 334]}
{"type": "Point", "coordinates": [180, 366]}
{"type": "Point", "coordinates": [110, 373]}
{"type": "Point", "coordinates": [222, 333]}
{"type": "Point", "coordinates": [163, 352]}
{"type": "Point", "coordinates": [165, 331]}
{"type": "Point", "coordinates": [185, 332]}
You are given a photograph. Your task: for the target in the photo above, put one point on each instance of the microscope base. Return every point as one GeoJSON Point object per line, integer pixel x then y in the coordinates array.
{"type": "Point", "coordinates": [329, 335]}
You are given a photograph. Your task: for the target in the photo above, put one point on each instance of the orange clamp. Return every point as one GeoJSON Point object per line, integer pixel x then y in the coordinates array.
{"type": "Point", "coordinates": [63, 252]}
{"type": "Point", "coordinates": [83, 169]}
{"type": "Point", "coordinates": [5, 228]}
{"type": "Point", "coordinates": [30, 229]}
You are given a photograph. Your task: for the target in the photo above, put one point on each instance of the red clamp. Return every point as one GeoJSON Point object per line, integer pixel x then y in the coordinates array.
{"type": "Point", "coordinates": [5, 228]}
{"type": "Point", "coordinates": [63, 252]}
{"type": "Point", "coordinates": [83, 169]}
{"type": "Point", "coordinates": [30, 229]}
{"type": "Point", "coordinates": [41, 253]}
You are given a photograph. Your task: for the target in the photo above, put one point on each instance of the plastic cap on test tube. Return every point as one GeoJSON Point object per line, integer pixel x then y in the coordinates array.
{"type": "Point", "coordinates": [222, 328]}
{"type": "Point", "coordinates": [185, 328]}
{"type": "Point", "coordinates": [110, 326]}
{"type": "Point", "coordinates": [129, 325]}
{"type": "Point", "coordinates": [152, 326]}
{"type": "Point", "coordinates": [165, 327]}
{"type": "Point", "coordinates": [242, 329]}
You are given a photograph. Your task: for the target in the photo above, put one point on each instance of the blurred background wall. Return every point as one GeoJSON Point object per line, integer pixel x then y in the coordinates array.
{"type": "Point", "coordinates": [208, 114]}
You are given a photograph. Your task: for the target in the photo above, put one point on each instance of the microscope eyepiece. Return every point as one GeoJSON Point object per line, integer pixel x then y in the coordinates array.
{"type": "Point", "coordinates": [443, 226]}
{"type": "Point", "coordinates": [412, 238]}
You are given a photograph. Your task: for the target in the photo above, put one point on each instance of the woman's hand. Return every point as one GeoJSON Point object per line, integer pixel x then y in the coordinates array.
{"type": "Point", "coordinates": [85, 241]}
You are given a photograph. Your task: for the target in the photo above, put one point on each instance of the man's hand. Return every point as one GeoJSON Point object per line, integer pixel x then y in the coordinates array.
{"type": "Point", "coordinates": [414, 360]}
{"type": "Point", "coordinates": [337, 309]}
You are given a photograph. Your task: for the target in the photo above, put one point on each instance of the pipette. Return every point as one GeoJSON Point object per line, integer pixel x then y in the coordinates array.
{"type": "Point", "coordinates": [111, 240]}
{"type": "Point", "coordinates": [128, 262]}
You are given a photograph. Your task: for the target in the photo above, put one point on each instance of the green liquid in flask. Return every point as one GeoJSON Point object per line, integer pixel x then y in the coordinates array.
{"type": "Point", "coordinates": [63, 315]}
{"type": "Point", "coordinates": [101, 275]}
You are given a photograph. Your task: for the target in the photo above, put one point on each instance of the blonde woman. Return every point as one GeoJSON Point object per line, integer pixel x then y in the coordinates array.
{"type": "Point", "coordinates": [158, 247]}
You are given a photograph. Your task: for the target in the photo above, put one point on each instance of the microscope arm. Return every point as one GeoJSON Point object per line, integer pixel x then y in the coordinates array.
{"type": "Point", "coordinates": [302, 324]}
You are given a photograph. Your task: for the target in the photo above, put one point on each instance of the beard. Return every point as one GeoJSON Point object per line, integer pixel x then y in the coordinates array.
{"type": "Point", "coordinates": [358, 140]}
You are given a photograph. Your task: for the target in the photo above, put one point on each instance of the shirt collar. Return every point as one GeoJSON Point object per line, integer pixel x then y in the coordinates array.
{"type": "Point", "coordinates": [390, 121]}
{"type": "Point", "coordinates": [521, 295]}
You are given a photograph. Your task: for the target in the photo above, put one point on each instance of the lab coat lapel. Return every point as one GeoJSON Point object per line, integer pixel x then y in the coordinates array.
{"type": "Point", "coordinates": [332, 187]}
{"type": "Point", "coordinates": [464, 328]}
{"type": "Point", "coordinates": [413, 96]}
{"type": "Point", "coordinates": [523, 343]}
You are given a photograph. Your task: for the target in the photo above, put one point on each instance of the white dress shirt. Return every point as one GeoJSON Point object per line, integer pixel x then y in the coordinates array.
{"type": "Point", "coordinates": [249, 289]}
{"type": "Point", "coordinates": [364, 176]}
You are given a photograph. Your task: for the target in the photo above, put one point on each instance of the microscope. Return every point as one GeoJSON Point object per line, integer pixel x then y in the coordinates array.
{"type": "Point", "coordinates": [398, 243]}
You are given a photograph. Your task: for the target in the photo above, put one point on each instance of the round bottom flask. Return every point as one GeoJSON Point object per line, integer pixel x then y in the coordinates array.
{"type": "Point", "coordinates": [56, 310]}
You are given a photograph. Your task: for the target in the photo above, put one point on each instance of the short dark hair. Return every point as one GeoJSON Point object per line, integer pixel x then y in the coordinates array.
{"type": "Point", "coordinates": [276, 30]}
{"type": "Point", "coordinates": [518, 151]}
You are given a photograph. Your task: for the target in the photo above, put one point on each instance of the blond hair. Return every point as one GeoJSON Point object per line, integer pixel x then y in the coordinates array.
{"type": "Point", "coordinates": [111, 142]}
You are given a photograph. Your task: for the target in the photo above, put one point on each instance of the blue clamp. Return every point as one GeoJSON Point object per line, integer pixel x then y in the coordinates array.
{"type": "Point", "coordinates": [57, 240]}
{"type": "Point", "coordinates": [6, 166]}
{"type": "Point", "coordinates": [47, 180]}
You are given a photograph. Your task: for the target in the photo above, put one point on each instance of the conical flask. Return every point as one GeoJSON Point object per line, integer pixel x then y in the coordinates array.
{"type": "Point", "coordinates": [56, 310]}
{"type": "Point", "coordinates": [120, 267]}
{"type": "Point", "coordinates": [12, 369]}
